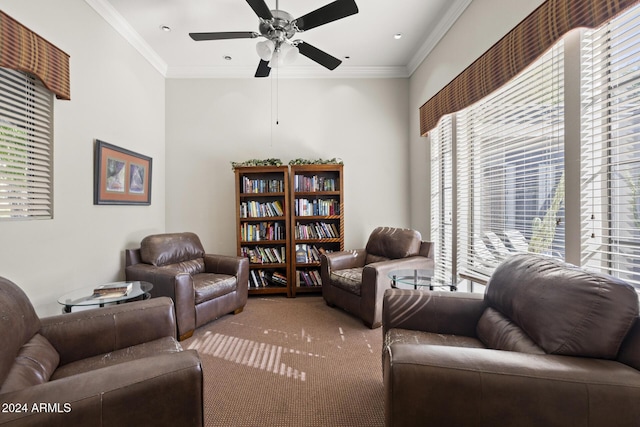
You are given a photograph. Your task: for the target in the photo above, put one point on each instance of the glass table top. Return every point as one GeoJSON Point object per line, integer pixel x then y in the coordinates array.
{"type": "Point", "coordinates": [416, 278]}
{"type": "Point", "coordinates": [86, 296]}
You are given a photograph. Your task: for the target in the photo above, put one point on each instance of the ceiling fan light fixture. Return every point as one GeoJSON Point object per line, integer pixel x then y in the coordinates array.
{"type": "Point", "coordinates": [265, 49]}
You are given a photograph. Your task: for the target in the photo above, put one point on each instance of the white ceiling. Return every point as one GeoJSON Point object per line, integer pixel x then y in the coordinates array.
{"type": "Point", "coordinates": [366, 37]}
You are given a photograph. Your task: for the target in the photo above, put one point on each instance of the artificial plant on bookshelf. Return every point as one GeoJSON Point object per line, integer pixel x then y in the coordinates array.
{"type": "Point", "coordinates": [317, 220]}
{"type": "Point", "coordinates": [263, 228]}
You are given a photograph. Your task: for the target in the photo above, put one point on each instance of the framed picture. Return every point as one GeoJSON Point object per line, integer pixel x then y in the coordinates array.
{"type": "Point", "coordinates": [121, 177]}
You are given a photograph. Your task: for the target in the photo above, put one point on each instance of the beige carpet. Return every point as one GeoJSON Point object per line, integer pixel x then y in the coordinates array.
{"type": "Point", "coordinates": [290, 362]}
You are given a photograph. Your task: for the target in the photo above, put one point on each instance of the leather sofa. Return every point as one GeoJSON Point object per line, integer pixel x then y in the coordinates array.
{"type": "Point", "coordinates": [548, 344]}
{"type": "Point", "coordinates": [114, 366]}
{"type": "Point", "coordinates": [202, 286]}
{"type": "Point", "coordinates": [356, 280]}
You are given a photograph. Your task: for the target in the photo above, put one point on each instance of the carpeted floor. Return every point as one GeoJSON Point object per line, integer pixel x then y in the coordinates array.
{"type": "Point", "coordinates": [290, 362]}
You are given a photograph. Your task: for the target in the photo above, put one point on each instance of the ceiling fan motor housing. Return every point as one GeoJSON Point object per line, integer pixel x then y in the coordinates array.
{"type": "Point", "coordinates": [280, 28]}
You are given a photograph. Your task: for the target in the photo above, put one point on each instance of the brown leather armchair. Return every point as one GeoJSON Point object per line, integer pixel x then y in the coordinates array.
{"type": "Point", "coordinates": [356, 280]}
{"type": "Point", "coordinates": [549, 344]}
{"type": "Point", "coordinates": [113, 366]}
{"type": "Point", "coordinates": [202, 286]}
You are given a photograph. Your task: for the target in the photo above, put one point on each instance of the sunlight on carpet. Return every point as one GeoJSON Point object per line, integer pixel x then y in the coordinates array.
{"type": "Point", "coordinates": [290, 362]}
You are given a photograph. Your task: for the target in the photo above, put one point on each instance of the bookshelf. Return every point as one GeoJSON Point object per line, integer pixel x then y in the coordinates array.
{"type": "Point", "coordinates": [263, 229]}
{"type": "Point", "coordinates": [317, 221]}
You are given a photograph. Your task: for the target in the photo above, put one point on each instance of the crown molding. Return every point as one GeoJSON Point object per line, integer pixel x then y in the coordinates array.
{"type": "Point", "coordinates": [109, 14]}
{"type": "Point", "coordinates": [290, 72]}
{"type": "Point", "coordinates": [452, 15]}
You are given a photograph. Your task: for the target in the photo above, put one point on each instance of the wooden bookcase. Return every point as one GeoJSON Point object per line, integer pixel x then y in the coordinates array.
{"type": "Point", "coordinates": [263, 228]}
{"type": "Point", "coordinates": [317, 222]}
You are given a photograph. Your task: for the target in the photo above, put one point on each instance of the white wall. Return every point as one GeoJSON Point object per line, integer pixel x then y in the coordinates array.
{"type": "Point", "coordinates": [482, 24]}
{"type": "Point", "coordinates": [116, 96]}
{"type": "Point", "coordinates": [212, 122]}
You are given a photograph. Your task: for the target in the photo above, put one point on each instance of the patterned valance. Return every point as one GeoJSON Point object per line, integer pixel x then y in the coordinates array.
{"type": "Point", "coordinates": [22, 49]}
{"type": "Point", "coordinates": [515, 51]}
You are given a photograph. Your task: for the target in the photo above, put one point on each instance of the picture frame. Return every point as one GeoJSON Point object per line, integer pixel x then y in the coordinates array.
{"type": "Point", "coordinates": [121, 176]}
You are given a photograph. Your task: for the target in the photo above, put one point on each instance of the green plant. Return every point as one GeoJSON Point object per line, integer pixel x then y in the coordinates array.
{"type": "Point", "coordinates": [334, 161]}
{"type": "Point", "coordinates": [257, 162]}
{"type": "Point", "coordinates": [544, 230]}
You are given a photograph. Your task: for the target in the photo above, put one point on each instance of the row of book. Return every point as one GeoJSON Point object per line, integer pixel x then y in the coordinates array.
{"type": "Point", "coordinates": [264, 278]}
{"type": "Point", "coordinates": [265, 255]}
{"type": "Point", "coordinates": [314, 183]}
{"type": "Point", "coordinates": [316, 207]}
{"type": "Point", "coordinates": [262, 185]}
{"type": "Point", "coordinates": [308, 278]}
{"type": "Point", "coordinates": [255, 209]}
{"type": "Point", "coordinates": [262, 231]}
{"type": "Point", "coordinates": [316, 230]}
{"type": "Point", "coordinates": [309, 253]}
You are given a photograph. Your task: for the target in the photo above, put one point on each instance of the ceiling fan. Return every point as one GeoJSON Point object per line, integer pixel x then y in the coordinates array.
{"type": "Point", "coordinates": [278, 27]}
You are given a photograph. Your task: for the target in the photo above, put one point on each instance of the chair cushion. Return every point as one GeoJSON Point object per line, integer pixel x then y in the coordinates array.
{"type": "Point", "coordinates": [151, 348]}
{"type": "Point", "coordinates": [34, 365]}
{"type": "Point", "coordinates": [211, 285]}
{"type": "Point", "coordinates": [348, 279]}
{"type": "Point", "coordinates": [170, 248]}
{"type": "Point", "coordinates": [563, 308]}
{"type": "Point", "coordinates": [193, 266]}
{"type": "Point", "coordinates": [498, 332]}
{"type": "Point", "coordinates": [394, 243]}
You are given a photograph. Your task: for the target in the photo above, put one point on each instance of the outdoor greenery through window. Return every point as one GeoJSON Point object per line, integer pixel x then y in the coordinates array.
{"type": "Point", "coordinates": [499, 168]}
{"type": "Point", "coordinates": [26, 151]}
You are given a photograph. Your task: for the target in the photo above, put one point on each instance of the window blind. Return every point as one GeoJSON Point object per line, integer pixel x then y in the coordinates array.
{"type": "Point", "coordinates": [510, 168]}
{"type": "Point", "coordinates": [610, 172]}
{"type": "Point", "coordinates": [26, 127]}
{"type": "Point", "coordinates": [442, 199]}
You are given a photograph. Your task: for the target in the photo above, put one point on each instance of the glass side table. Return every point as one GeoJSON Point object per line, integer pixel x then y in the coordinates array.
{"type": "Point", "coordinates": [416, 279]}
{"type": "Point", "coordinates": [86, 298]}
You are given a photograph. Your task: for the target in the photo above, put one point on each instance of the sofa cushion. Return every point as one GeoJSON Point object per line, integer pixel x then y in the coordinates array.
{"type": "Point", "coordinates": [394, 243]}
{"type": "Point", "coordinates": [34, 365]}
{"type": "Point", "coordinates": [170, 248]}
{"type": "Point", "coordinates": [151, 348]}
{"type": "Point", "coordinates": [408, 336]}
{"type": "Point", "coordinates": [498, 332]}
{"type": "Point", "coordinates": [211, 285]}
{"type": "Point", "coordinates": [564, 309]}
{"type": "Point", "coordinates": [193, 266]}
{"type": "Point", "coordinates": [349, 279]}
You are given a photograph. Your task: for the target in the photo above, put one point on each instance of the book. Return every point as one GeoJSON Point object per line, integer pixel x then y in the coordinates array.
{"type": "Point", "coordinates": [113, 290]}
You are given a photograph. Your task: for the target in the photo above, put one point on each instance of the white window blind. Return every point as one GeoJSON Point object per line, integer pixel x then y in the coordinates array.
{"type": "Point", "coordinates": [26, 129]}
{"type": "Point", "coordinates": [611, 147]}
{"type": "Point", "coordinates": [441, 200]}
{"type": "Point", "coordinates": [510, 169]}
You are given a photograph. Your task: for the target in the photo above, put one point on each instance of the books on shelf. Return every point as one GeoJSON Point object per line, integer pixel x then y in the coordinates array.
{"type": "Point", "coordinates": [262, 185]}
{"type": "Point", "coordinates": [265, 255]}
{"type": "Point", "coordinates": [262, 231]}
{"type": "Point", "coordinates": [308, 278]}
{"type": "Point", "coordinates": [313, 183]}
{"type": "Point", "coordinates": [309, 253]}
{"type": "Point", "coordinates": [317, 207]}
{"type": "Point", "coordinates": [316, 230]}
{"type": "Point", "coordinates": [113, 290]}
{"type": "Point", "coordinates": [264, 278]}
{"type": "Point", "coordinates": [256, 209]}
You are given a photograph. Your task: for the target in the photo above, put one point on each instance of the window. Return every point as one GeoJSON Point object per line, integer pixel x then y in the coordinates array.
{"type": "Point", "coordinates": [611, 141]}
{"type": "Point", "coordinates": [26, 139]}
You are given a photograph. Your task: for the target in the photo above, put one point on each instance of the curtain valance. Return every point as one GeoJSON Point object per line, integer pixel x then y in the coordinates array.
{"type": "Point", "coordinates": [22, 49]}
{"type": "Point", "coordinates": [515, 51]}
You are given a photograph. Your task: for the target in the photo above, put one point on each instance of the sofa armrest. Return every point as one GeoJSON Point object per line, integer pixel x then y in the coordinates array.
{"type": "Point", "coordinates": [109, 328]}
{"type": "Point", "coordinates": [164, 390]}
{"type": "Point", "coordinates": [505, 388]}
{"type": "Point", "coordinates": [454, 313]}
{"type": "Point", "coordinates": [342, 260]}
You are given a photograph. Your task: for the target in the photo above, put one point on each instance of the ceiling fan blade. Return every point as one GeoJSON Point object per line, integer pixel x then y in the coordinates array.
{"type": "Point", "coordinates": [332, 12]}
{"type": "Point", "coordinates": [224, 35]}
{"type": "Point", "coordinates": [260, 8]}
{"type": "Point", "coordinates": [315, 54]}
{"type": "Point", "coordinates": [263, 69]}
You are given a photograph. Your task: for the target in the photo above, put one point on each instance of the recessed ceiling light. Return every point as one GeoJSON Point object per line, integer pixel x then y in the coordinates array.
{"type": "Point", "coordinates": [397, 36]}
{"type": "Point", "coordinates": [165, 28]}
{"type": "Point", "coordinates": [347, 57]}
{"type": "Point", "coordinates": [227, 58]}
